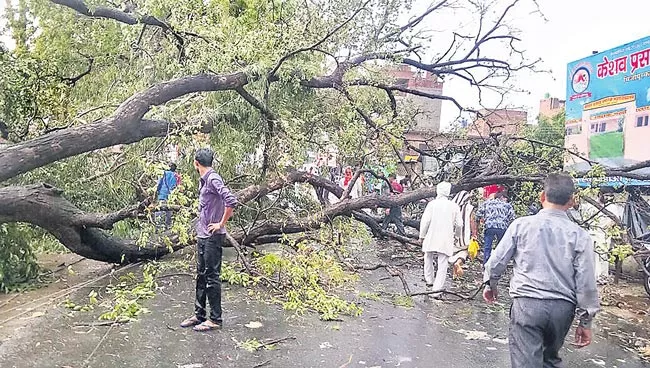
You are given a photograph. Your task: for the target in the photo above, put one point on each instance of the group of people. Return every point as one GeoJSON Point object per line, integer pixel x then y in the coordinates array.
{"type": "Point", "coordinates": [553, 276]}
{"type": "Point", "coordinates": [449, 225]}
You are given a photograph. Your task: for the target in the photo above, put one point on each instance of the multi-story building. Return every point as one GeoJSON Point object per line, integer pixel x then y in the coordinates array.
{"type": "Point", "coordinates": [495, 121]}
{"type": "Point", "coordinates": [427, 120]}
{"type": "Point", "coordinates": [550, 107]}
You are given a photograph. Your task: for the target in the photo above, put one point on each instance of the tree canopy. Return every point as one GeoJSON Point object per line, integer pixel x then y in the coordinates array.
{"type": "Point", "coordinates": [93, 92]}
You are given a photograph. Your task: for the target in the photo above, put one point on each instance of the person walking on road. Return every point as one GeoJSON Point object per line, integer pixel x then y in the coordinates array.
{"type": "Point", "coordinates": [496, 214]}
{"type": "Point", "coordinates": [216, 205]}
{"type": "Point", "coordinates": [440, 224]}
{"type": "Point", "coordinates": [395, 213]}
{"type": "Point", "coordinates": [553, 279]}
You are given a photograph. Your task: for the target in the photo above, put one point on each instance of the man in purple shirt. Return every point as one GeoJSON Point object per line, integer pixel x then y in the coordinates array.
{"type": "Point", "coordinates": [216, 204]}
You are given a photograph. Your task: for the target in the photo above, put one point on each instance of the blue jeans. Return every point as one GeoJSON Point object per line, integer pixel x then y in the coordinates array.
{"type": "Point", "coordinates": [163, 219]}
{"type": "Point", "coordinates": [491, 236]}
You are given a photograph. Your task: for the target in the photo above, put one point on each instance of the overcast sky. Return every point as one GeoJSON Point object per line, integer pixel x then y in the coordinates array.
{"type": "Point", "coordinates": [571, 31]}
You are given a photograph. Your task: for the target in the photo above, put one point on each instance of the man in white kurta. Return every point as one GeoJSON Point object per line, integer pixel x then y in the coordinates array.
{"type": "Point", "coordinates": [440, 224]}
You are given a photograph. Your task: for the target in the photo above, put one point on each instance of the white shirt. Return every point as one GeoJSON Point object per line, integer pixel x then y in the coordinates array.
{"type": "Point", "coordinates": [356, 191]}
{"type": "Point", "coordinates": [439, 225]}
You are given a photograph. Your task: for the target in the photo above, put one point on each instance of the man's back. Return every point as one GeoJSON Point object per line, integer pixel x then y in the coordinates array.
{"type": "Point", "coordinates": [497, 213]}
{"type": "Point", "coordinates": [166, 184]}
{"type": "Point", "coordinates": [440, 221]}
{"type": "Point", "coordinates": [551, 255]}
{"type": "Point", "coordinates": [442, 213]}
{"type": "Point", "coordinates": [553, 278]}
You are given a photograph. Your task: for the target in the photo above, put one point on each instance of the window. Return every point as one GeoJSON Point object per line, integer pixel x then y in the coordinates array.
{"type": "Point", "coordinates": [598, 127]}
{"type": "Point", "coordinates": [573, 130]}
{"type": "Point", "coordinates": [402, 82]}
{"type": "Point", "coordinates": [642, 121]}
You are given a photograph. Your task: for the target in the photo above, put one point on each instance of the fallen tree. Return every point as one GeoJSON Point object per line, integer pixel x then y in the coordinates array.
{"type": "Point", "coordinates": [279, 98]}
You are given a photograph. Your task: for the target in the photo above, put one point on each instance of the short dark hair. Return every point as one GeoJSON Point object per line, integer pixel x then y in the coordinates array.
{"type": "Point", "coordinates": [392, 176]}
{"type": "Point", "coordinates": [204, 156]}
{"type": "Point", "coordinates": [172, 167]}
{"type": "Point", "coordinates": [559, 188]}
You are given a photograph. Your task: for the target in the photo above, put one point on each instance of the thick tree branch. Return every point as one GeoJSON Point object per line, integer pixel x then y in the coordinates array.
{"type": "Point", "coordinates": [111, 13]}
{"type": "Point", "coordinates": [123, 127]}
{"type": "Point", "coordinates": [44, 206]}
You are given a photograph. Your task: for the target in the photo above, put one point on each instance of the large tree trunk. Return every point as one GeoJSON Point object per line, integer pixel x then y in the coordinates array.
{"type": "Point", "coordinates": [44, 206]}
{"type": "Point", "coordinates": [125, 126]}
{"type": "Point", "coordinates": [85, 233]}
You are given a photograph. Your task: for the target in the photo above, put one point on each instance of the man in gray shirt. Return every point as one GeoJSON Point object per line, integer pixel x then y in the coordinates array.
{"type": "Point", "coordinates": [553, 276]}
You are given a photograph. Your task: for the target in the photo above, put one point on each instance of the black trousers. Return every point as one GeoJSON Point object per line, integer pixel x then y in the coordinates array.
{"type": "Point", "coordinates": [395, 216]}
{"type": "Point", "coordinates": [208, 280]}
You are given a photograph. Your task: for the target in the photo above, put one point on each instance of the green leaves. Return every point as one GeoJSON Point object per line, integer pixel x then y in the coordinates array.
{"type": "Point", "coordinates": [18, 267]}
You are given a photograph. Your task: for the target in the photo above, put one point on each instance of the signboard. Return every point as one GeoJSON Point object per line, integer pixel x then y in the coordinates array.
{"type": "Point", "coordinates": [612, 181]}
{"type": "Point", "coordinates": [608, 107]}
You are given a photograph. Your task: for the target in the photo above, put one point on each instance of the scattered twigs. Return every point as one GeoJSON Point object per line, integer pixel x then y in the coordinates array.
{"type": "Point", "coordinates": [394, 272]}
{"type": "Point", "coordinates": [398, 273]}
{"type": "Point", "coordinates": [175, 274]}
{"type": "Point", "coordinates": [9, 300]}
{"type": "Point", "coordinates": [240, 252]}
{"type": "Point", "coordinates": [49, 272]}
{"type": "Point", "coordinates": [101, 341]}
{"type": "Point", "coordinates": [57, 295]}
{"type": "Point", "coordinates": [264, 363]}
{"type": "Point", "coordinates": [100, 324]}
{"type": "Point", "coordinates": [344, 365]}
{"type": "Point", "coordinates": [276, 341]}
{"type": "Point", "coordinates": [470, 296]}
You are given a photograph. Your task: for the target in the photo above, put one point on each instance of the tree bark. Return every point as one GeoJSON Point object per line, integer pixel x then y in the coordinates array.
{"type": "Point", "coordinates": [84, 233]}
{"type": "Point", "coordinates": [44, 206]}
{"type": "Point", "coordinates": [125, 126]}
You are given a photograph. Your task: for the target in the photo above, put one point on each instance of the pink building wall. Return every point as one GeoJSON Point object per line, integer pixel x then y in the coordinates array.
{"type": "Point", "coordinates": [637, 139]}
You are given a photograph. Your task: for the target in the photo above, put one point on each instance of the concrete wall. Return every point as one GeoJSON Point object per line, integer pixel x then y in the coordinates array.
{"type": "Point", "coordinates": [550, 107]}
{"type": "Point", "coordinates": [505, 121]}
{"type": "Point", "coordinates": [637, 139]}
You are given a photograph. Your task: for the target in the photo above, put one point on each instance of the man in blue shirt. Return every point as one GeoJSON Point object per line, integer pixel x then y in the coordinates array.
{"type": "Point", "coordinates": [496, 214]}
{"type": "Point", "coordinates": [167, 183]}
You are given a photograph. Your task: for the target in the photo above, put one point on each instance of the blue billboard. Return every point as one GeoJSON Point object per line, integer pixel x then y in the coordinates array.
{"type": "Point", "coordinates": [608, 107]}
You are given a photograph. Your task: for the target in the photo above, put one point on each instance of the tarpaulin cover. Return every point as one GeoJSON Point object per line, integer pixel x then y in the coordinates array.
{"type": "Point", "coordinates": [637, 217]}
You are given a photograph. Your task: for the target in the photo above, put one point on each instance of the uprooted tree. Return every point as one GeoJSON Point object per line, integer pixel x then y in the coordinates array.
{"type": "Point", "coordinates": [94, 92]}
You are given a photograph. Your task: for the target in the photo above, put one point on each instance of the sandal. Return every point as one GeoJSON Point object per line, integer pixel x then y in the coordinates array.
{"type": "Point", "coordinates": [192, 321]}
{"type": "Point", "coordinates": [207, 326]}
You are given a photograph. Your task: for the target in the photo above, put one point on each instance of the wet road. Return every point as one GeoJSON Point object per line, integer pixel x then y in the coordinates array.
{"type": "Point", "coordinates": [431, 334]}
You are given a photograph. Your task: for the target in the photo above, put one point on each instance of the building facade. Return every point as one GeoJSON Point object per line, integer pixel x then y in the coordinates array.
{"type": "Point", "coordinates": [498, 121]}
{"type": "Point", "coordinates": [551, 107]}
{"type": "Point", "coordinates": [426, 123]}
{"type": "Point", "coordinates": [428, 118]}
